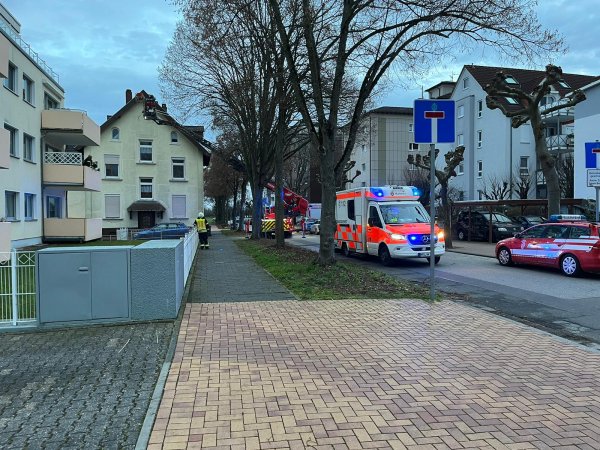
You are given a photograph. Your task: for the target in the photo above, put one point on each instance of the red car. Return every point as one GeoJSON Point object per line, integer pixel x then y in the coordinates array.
{"type": "Point", "coordinates": [567, 242]}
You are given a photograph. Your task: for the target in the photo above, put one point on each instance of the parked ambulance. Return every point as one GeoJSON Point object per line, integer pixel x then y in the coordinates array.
{"type": "Point", "coordinates": [388, 222]}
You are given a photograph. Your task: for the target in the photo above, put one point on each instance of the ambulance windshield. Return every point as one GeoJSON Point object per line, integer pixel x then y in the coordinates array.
{"type": "Point", "coordinates": [398, 213]}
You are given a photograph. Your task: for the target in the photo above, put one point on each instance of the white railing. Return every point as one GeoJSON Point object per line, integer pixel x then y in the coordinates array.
{"type": "Point", "coordinates": [190, 246]}
{"type": "Point", "coordinates": [17, 288]}
{"type": "Point", "coordinates": [71, 158]}
{"type": "Point", "coordinates": [562, 101]}
{"type": "Point", "coordinates": [559, 141]}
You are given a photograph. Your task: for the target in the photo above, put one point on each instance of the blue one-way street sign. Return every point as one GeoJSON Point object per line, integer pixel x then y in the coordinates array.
{"type": "Point", "coordinates": [592, 150]}
{"type": "Point", "coordinates": [434, 121]}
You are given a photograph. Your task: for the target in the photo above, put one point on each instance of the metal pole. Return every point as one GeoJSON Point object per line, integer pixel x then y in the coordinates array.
{"type": "Point", "coordinates": [432, 210]}
{"type": "Point", "coordinates": [597, 204]}
{"type": "Point", "coordinates": [14, 287]}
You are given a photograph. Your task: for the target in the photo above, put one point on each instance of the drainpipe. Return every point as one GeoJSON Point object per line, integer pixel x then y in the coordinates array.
{"type": "Point", "coordinates": [510, 168]}
{"type": "Point", "coordinates": [370, 167]}
{"type": "Point", "coordinates": [43, 215]}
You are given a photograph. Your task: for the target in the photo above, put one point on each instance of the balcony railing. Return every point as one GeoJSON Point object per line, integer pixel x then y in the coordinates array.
{"type": "Point", "coordinates": [567, 112]}
{"type": "Point", "coordinates": [559, 142]}
{"type": "Point", "coordinates": [69, 127]}
{"type": "Point", "coordinates": [76, 229]}
{"type": "Point", "coordinates": [3, 56]}
{"type": "Point", "coordinates": [66, 169]}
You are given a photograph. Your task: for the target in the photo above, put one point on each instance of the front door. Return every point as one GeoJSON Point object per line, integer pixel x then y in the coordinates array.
{"type": "Point", "coordinates": [146, 219]}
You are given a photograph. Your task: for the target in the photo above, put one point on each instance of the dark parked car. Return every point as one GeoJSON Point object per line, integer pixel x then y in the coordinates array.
{"type": "Point", "coordinates": [529, 221]}
{"type": "Point", "coordinates": [170, 230]}
{"type": "Point", "coordinates": [479, 226]}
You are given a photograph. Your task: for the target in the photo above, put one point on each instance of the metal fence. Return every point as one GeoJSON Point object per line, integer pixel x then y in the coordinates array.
{"type": "Point", "coordinates": [17, 288]}
{"type": "Point", "coordinates": [190, 246]}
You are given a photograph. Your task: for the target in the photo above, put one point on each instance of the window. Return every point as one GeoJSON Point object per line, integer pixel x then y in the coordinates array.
{"type": "Point", "coordinates": [29, 206]}
{"type": "Point", "coordinates": [28, 146]}
{"type": "Point", "coordinates": [13, 142]}
{"type": "Point", "coordinates": [465, 83]}
{"type": "Point", "coordinates": [115, 134]}
{"type": "Point", "coordinates": [28, 90]}
{"type": "Point", "coordinates": [363, 167]}
{"type": "Point", "coordinates": [461, 195]}
{"type": "Point", "coordinates": [511, 101]}
{"type": "Point", "coordinates": [479, 138]}
{"type": "Point", "coordinates": [178, 168]}
{"type": "Point", "coordinates": [146, 188]}
{"type": "Point", "coordinates": [412, 147]}
{"type": "Point", "coordinates": [49, 102]}
{"type": "Point", "coordinates": [579, 232]}
{"type": "Point", "coordinates": [53, 207]}
{"type": "Point", "coordinates": [351, 211]}
{"type": "Point", "coordinates": [480, 195]}
{"type": "Point", "coordinates": [460, 139]}
{"type": "Point", "coordinates": [11, 200]}
{"type": "Point", "coordinates": [174, 137]}
{"type": "Point", "coordinates": [511, 80]}
{"type": "Point", "coordinates": [564, 84]}
{"type": "Point", "coordinates": [479, 108]}
{"type": "Point", "coordinates": [146, 151]}
{"type": "Point", "coordinates": [112, 206]}
{"type": "Point", "coordinates": [410, 127]}
{"type": "Point", "coordinates": [479, 169]}
{"type": "Point", "coordinates": [461, 111]}
{"type": "Point", "coordinates": [461, 168]}
{"type": "Point", "coordinates": [111, 166]}
{"type": "Point", "coordinates": [524, 166]}
{"type": "Point", "coordinates": [179, 207]}
{"type": "Point", "coordinates": [11, 81]}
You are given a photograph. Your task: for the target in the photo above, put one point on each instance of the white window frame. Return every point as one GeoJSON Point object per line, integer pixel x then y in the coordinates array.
{"type": "Point", "coordinates": [11, 198]}
{"type": "Point", "coordinates": [110, 160]}
{"type": "Point", "coordinates": [480, 194]}
{"type": "Point", "coordinates": [479, 169]}
{"type": "Point", "coordinates": [59, 201]}
{"type": "Point", "coordinates": [28, 147]}
{"type": "Point", "coordinates": [460, 112]}
{"type": "Point", "coordinates": [11, 82]}
{"type": "Point", "coordinates": [460, 139]}
{"type": "Point", "coordinates": [174, 137]}
{"type": "Point", "coordinates": [479, 108]}
{"type": "Point", "coordinates": [146, 144]}
{"type": "Point", "coordinates": [144, 182]}
{"type": "Point", "coordinates": [413, 147]}
{"type": "Point", "coordinates": [28, 90]}
{"type": "Point", "coordinates": [460, 168]}
{"type": "Point", "coordinates": [177, 214]}
{"type": "Point", "coordinates": [479, 138]}
{"type": "Point", "coordinates": [410, 127]}
{"type": "Point", "coordinates": [13, 140]}
{"type": "Point", "coordinates": [177, 162]}
{"type": "Point", "coordinates": [524, 169]}
{"type": "Point", "coordinates": [29, 206]}
{"type": "Point", "coordinates": [465, 83]}
{"type": "Point", "coordinates": [111, 209]}
{"type": "Point", "coordinates": [50, 102]}
{"type": "Point", "coordinates": [511, 101]}
{"type": "Point", "coordinates": [511, 80]}
{"type": "Point", "coordinates": [115, 134]}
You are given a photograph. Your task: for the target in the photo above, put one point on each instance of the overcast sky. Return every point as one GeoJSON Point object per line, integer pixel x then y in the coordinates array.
{"type": "Point", "coordinates": [99, 48]}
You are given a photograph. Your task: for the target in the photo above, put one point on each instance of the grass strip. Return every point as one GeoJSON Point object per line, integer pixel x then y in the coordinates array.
{"type": "Point", "coordinates": [297, 270]}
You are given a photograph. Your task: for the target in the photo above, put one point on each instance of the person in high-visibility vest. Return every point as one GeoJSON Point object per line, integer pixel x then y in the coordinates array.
{"type": "Point", "coordinates": [202, 231]}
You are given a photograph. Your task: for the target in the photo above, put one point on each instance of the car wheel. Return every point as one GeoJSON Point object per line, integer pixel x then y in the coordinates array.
{"type": "Point", "coordinates": [504, 257]}
{"type": "Point", "coordinates": [384, 256]}
{"type": "Point", "coordinates": [436, 260]}
{"type": "Point", "coordinates": [462, 236]}
{"type": "Point", "coordinates": [569, 265]}
{"type": "Point", "coordinates": [345, 250]}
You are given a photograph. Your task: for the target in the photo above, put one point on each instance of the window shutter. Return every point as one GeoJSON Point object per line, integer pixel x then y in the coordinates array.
{"type": "Point", "coordinates": [179, 207]}
{"type": "Point", "coordinates": [112, 206]}
{"type": "Point", "coordinates": [111, 159]}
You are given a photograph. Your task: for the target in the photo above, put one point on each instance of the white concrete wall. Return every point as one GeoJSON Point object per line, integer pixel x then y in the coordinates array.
{"type": "Point", "coordinates": [587, 129]}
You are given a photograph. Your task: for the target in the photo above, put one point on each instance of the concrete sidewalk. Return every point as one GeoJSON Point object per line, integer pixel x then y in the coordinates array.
{"type": "Point", "coordinates": [473, 248]}
{"type": "Point", "coordinates": [367, 374]}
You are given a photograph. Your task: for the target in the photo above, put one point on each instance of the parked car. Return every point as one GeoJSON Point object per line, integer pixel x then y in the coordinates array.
{"type": "Point", "coordinates": [529, 221]}
{"type": "Point", "coordinates": [316, 228]}
{"type": "Point", "coordinates": [567, 242]}
{"type": "Point", "coordinates": [169, 230]}
{"type": "Point", "coordinates": [478, 227]}
{"type": "Point", "coordinates": [308, 224]}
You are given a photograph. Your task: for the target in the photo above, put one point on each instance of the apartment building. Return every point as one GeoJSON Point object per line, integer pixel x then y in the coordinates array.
{"type": "Point", "coordinates": [587, 134]}
{"type": "Point", "coordinates": [37, 171]}
{"type": "Point", "coordinates": [151, 168]}
{"type": "Point", "coordinates": [493, 149]}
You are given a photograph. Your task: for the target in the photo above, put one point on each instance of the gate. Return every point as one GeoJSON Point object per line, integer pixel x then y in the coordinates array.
{"type": "Point", "coordinates": [17, 288]}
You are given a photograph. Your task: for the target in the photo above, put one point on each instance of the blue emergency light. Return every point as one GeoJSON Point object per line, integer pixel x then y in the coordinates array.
{"type": "Point", "coordinates": [377, 192]}
{"type": "Point", "coordinates": [416, 192]}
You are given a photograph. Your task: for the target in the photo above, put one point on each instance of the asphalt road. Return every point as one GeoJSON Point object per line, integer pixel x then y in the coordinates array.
{"type": "Point", "coordinates": [544, 298]}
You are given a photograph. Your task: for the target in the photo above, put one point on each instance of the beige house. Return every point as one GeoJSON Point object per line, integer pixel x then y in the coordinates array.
{"type": "Point", "coordinates": [36, 171]}
{"type": "Point", "coordinates": [152, 168]}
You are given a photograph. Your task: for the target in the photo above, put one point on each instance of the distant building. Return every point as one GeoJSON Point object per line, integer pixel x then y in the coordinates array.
{"type": "Point", "coordinates": [39, 167]}
{"type": "Point", "coordinates": [152, 167]}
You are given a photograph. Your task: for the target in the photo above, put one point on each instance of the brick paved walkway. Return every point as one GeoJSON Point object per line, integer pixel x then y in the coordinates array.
{"type": "Point", "coordinates": [373, 374]}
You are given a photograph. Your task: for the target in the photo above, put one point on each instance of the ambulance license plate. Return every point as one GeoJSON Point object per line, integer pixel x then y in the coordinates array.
{"type": "Point", "coordinates": [423, 254]}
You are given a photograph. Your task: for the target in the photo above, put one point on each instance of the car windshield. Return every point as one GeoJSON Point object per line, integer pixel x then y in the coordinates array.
{"type": "Point", "coordinates": [501, 218]}
{"type": "Point", "coordinates": [534, 219]}
{"type": "Point", "coordinates": [404, 213]}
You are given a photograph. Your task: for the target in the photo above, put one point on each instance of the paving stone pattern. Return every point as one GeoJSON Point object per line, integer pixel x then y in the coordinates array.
{"type": "Point", "coordinates": [79, 388]}
{"type": "Point", "coordinates": [373, 374]}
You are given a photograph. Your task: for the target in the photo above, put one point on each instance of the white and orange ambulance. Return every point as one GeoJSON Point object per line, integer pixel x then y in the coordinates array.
{"type": "Point", "coordinates": [387, 221]}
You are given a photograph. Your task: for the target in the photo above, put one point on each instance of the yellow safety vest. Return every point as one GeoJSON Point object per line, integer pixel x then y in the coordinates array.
{"type": "Point", "coordinates": [201, 225]}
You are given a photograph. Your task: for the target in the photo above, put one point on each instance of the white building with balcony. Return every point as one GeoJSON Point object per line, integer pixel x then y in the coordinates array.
{"type": "Point", "coordinates": [33, 185]}
{"type": "Point", "coordinates": [151, 168]}
{"type": "Point", "coordinates": [587, 131]}
{"type": "Point", "coordinates": [495, 150]}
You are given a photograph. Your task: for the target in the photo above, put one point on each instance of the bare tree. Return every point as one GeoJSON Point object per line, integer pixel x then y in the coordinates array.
{"type": "Point", "coordinates": [453, 158]}
{"type": "Point", "coordinates": [565, 167]}
{"type": "Point", "coordinates": [362, 39]}
{"type": "Point", "coordinates": [524, 183]}
{"type": "Point", "coordinates": [495, 188]}
{"type": "Point", "coordinates": [419, 178]}
{"type": "Point", "coordinates": [529, 111]}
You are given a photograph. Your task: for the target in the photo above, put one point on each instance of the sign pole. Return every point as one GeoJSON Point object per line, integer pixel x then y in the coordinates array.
{"type": "Point", "coordinates": [597, 204]}
{"type": "Point", "coordinates": [432, 209]}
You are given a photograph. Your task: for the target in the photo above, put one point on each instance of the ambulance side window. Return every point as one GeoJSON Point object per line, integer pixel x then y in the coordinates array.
{"type": "Point", "coordinates": [374, 219]}
{"type": "Point", "coordinates": [351, 213]}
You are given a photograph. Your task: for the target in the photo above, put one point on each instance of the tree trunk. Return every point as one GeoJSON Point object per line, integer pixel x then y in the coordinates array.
{"type": "Point", "coordinates": [257, 191]}
{"type": "Point", "coordinates": [328, 224]}
{"type": "Point", "coordinates": [548, 165]}
{"type": "Point", "coordinates": [242, 214]}
{"type": "Point", "coordinates": [279, 212]}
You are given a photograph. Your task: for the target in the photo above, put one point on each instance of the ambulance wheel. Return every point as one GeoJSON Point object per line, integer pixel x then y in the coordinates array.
{"type": "Point", "coordinates": [345, 250]}
{"type": "Point", "coordinates": [384, 256]}
{"type": "Point", "coordinates": [569, 265]}
{"type": "Point", "coordinates": [436, 260]}
{"type": "Point", "coordinates": [504, 257]}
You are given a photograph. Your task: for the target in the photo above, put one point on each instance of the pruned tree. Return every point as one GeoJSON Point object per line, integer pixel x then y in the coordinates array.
{"type": "Point", "coordinates": [453, 158]}
{"type": "Point", "coordinates": [495, 188]}
{"type": "Point", "coordinates": [419, 178]}
{"type": "Point", "coordinates": [565, 167]}
{"type": "Point", "coordinates": [529, 111]}
{"type": "Point", "coordinates": [362, 40]}
{"type": "Point", "coordinates": [524, 183]}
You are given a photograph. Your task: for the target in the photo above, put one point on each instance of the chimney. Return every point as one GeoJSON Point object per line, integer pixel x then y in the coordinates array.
{"type": "Point", "coordinates": [128, 96]}
{"type": "Point", "coordinates": [164, 107]}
